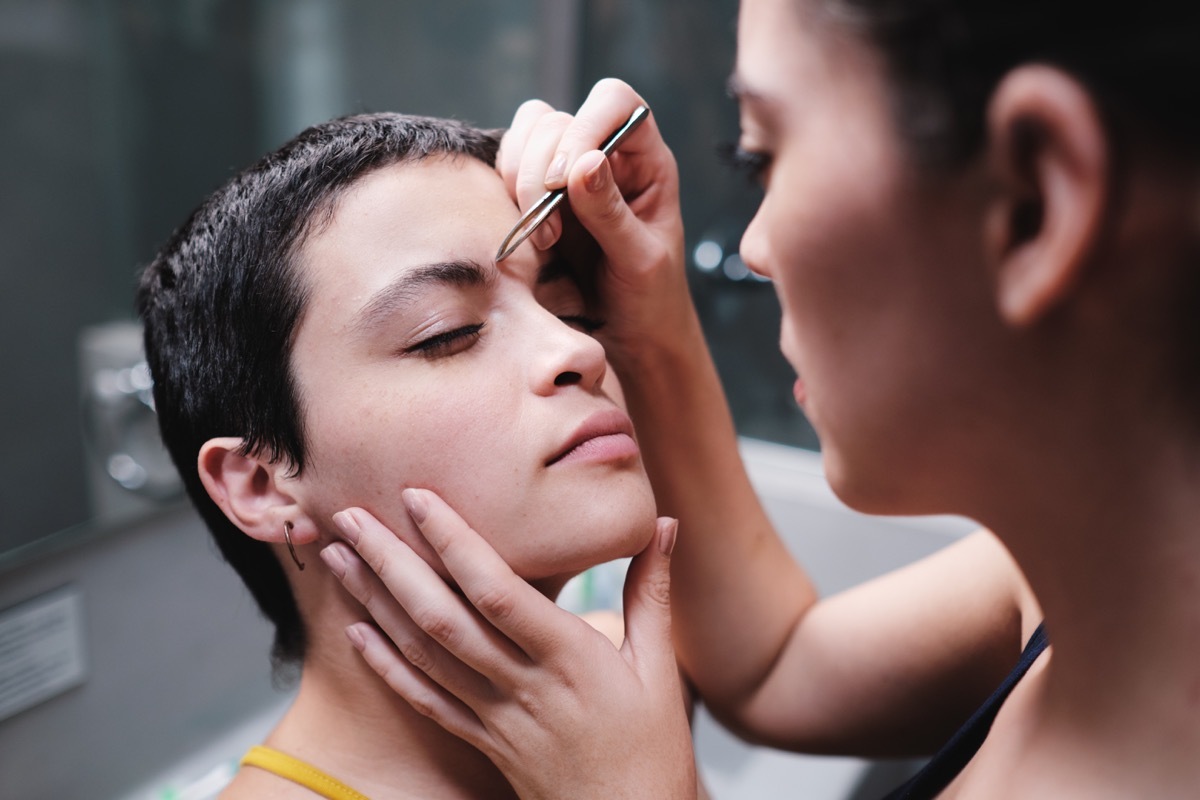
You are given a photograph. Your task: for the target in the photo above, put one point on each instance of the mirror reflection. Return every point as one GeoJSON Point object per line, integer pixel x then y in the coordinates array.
{"type": "Point", "coordinates": [121, 115]}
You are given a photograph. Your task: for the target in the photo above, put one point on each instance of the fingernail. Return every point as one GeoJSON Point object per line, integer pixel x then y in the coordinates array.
{"type": "Point", "coordinates": [334, 559]}
{"type": "Point", "coordinates": [356, 638]}
{"type": "Point", "coordinates": [558, 168]}
{"type": "Point", "coordinates": [418, 509]}
{"type": "Point", "coordinates": [666, 540]}
{"type": "Point", "coordinates": [348, 525]}
{"type": "Point", "coordinates": [546, 234]}
{"type": "Point", "coordinates": [594, 178]}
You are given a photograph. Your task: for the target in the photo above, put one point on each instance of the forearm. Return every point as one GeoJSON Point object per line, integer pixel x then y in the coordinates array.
{"type": "Point", "coordinates": [893, 666]}
{"type": "Point", "coordinates": [737, 594]}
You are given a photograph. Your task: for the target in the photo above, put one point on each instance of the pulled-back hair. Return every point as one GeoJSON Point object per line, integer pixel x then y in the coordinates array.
{"type": "Point", "coordinates": [221, 303]}
{"type": "Point", "coordinates": [1140, 61]}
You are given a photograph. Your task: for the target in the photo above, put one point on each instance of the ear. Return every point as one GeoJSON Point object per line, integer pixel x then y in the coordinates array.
{"type": "Point", "coordinates": [253, 492]}
{"type": "Point", "coordinates": [1048, 150]}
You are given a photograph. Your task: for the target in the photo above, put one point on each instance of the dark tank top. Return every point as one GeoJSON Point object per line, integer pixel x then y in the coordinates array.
{"type": "Point", "coordinates": [953, 757]}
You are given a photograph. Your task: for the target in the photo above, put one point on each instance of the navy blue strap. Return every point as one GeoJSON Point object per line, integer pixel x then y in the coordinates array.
{"type": "Point", "coordinates": [953, 757]}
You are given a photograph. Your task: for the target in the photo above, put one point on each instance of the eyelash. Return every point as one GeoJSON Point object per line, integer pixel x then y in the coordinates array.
{"type": "Point", "coordinates": [753, 164]}
{"type": "Point", "coordinates": [444, 344]}
{"type": "Point", "coordinates": [450, 342]}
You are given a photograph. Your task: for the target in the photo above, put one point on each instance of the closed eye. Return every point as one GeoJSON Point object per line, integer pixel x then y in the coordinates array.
{"type": "Point", "coordinates": [446, 344]}
{"type": "Point", "coordinates": [588, 325]}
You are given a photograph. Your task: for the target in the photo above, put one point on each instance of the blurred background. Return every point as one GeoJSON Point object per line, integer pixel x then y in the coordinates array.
{"type": "Point", "coordinates": [120, 117]}
{"type": "Point", "coordinates": [123, 643]}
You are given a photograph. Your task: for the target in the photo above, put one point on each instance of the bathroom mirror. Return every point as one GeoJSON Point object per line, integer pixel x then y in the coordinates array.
{"type": "Point", "coordinates": [120, 116]}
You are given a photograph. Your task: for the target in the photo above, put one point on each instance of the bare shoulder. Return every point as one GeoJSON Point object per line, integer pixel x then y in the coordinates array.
{"type": "Point", "coordinates": [991, 550]}
{"type": "Point", "coordinates": [254, 784]}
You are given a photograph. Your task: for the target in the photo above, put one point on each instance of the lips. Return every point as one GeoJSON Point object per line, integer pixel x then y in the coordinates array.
{"type": "Point", "coordinates": [606, 435]}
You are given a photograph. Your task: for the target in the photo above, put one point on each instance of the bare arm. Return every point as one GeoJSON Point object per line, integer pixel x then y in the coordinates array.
{"type": "Point", "coordinates": [890, 667]}
{"type": "Point", "coordinates": [894, 666]}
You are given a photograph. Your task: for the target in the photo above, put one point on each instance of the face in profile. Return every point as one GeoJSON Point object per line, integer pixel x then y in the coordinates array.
{"type": "Point", "coordinates": [885, 313]}
{"type": "Point", "coordinates": [421, 362]}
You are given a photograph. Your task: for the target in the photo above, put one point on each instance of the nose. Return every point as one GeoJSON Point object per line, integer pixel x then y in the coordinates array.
{"type": "Point", "coordinates": [566, 356]}
{"type": "Point", "coordinates": [753, 248]}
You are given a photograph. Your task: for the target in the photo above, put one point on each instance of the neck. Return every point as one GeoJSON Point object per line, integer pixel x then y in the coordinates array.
{"type": "Point", "coordinates": [347, 722]}
{"type": "Point", "coordinates": [1107, 531]}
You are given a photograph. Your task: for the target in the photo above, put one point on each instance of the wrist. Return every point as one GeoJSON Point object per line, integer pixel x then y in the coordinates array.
{"type": "Point", "coordinates": [672, 338]}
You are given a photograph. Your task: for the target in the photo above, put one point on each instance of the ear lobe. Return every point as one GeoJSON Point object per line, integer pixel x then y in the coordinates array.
{"type": "Point", "coordinates": [1047, 148]}
{"type": "Point", "coordinates": [247, 488]}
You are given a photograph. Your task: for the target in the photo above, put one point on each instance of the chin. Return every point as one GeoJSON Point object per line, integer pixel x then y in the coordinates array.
{"type": "Point", "coordinates": [602, 529]}
{"type": "Point", "coordinates": [631, 521]}
{"type": "Point", "coordinates": [877, 489]}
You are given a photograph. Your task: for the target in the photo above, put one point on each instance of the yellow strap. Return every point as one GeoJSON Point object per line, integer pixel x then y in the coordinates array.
{"type": "Point", "coordinates": [297, 771]}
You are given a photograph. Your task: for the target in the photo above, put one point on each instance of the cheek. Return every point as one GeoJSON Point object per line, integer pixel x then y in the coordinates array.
{"type": "Point", "coordinates": [611, 387]}
{"type": "Point", "coordinates": [481, 447]}
{"type": "Point", "coordinates": [371, 445]}
{"type": "Point", "coordinates": [835, 240]}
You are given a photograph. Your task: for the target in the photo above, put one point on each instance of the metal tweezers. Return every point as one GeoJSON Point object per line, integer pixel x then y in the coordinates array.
{"type": "Point", "coordinates": [541, 210]}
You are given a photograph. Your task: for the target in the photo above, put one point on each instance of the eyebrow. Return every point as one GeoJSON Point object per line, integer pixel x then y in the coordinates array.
{"type": "Point", "coordinates": [410, 288]}
{"type": "Point", "coordinates": [737, 88]}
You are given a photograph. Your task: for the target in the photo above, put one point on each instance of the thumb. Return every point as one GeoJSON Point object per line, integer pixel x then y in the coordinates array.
{"type": "Point", "coordinates": [647, 594]}
{"type": "Point", "coordinates": [597, 203]}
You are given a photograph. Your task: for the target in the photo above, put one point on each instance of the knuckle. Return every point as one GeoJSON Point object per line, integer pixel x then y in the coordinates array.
{"type": "Point", "coordinates": [507, 159]}
{"type": "Point", "coordinates": [495, 602]}
{"type": "Point", "coordinates": [444, 541]}
{"type": "Point", "coordinates": [550, 126]}
{"type": "Point", "coordinates": [364, 593]}
{"type": "Point", "coordinates": [658, 590]}
{"type": "Point", "coordinates": [436, 625]}
{"type": "Point", "coordinates": [556, 120]}
{"type": "Point", "coordinates": [533, 107]}
{"type": "Point", "coordinates": [422, 704]}
{"type": "Point", "coordinates": [611, 209]}
{"type": "Point", "coordinates": [606, 85]}
{"type": "Point", "coordinates": [530, 701]}
{"type": "Point", "coordinates": [417, 655]}
{"type": "Point", "coordinates": [530, 185]}
{"type": "Point", "coordinates": [378, 560]}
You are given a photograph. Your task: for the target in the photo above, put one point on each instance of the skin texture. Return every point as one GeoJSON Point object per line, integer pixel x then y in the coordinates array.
{"type": "Point", "coordinates": [872, 287]}
{"type": "Point", "coordinates": [965, 341]}
{"type": "Point", "coordinates": [482, 417]}
{"type": "Point", "coordinates": [382, 414]}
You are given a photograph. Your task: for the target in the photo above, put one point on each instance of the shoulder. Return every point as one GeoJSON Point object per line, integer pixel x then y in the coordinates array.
{"type": "Point", "coordinates": [1009, 574]}
{"type": "Point", "coordinates": [254, 784]}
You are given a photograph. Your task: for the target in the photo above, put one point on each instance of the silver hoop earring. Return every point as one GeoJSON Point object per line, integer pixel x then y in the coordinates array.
{"type": "Point", "coordinates": [287, 537]}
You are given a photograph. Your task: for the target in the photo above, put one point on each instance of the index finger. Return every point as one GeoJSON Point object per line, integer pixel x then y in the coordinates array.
{"type": "Point", "coordinates": [606, 109]}
{"type": "Point", "coordinates": [527, 617]}
{"type": "Point", "coordinates": [515, 140]}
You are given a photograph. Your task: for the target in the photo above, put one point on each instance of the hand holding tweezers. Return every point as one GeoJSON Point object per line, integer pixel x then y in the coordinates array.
{"type": "Point", "coordinates": [541, 210]}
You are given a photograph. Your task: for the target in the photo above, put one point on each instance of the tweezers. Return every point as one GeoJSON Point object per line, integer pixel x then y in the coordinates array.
{"type": "Point", "coordinates": [541, 210]}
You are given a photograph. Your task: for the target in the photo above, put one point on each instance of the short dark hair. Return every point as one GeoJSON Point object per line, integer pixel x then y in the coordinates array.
{"type": "Point", "coordinates": [223, 298]}
{"type": "Point", "coordinates": [946, 57]}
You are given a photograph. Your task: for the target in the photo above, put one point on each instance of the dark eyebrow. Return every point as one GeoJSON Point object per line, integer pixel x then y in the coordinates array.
{"type": "Point", "coordinates": [407, 289]}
